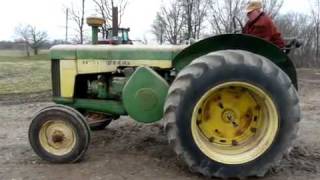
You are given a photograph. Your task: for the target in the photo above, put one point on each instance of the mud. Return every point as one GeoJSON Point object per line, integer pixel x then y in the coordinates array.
{"type": "Point", "coordinates": [128, 150]}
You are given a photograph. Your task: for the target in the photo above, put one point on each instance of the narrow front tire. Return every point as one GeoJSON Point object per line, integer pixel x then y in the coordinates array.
{"type": "Point", "coordinates": [59, 134]}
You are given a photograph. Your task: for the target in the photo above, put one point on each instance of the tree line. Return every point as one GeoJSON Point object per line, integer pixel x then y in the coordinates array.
{"type": "Point", "coordinates": [34, 39]}
{"type": "Point", "coordinates": [180, 20]}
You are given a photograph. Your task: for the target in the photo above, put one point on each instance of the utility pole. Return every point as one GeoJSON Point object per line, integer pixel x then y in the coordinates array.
{"type": "Point", "coordinates": [67, 23]}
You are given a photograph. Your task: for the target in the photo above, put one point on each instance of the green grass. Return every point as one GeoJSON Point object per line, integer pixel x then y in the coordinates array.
{"type": "Point", "coordinates": [16, 55]}
{"type": "Point", "coordinates": [20, 74]}
{"type": "Point", "coordinates": [12, 53]}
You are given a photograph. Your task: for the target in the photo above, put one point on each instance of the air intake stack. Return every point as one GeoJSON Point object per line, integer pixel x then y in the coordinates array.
{"type": "Point", "coordinates": [95, 23]}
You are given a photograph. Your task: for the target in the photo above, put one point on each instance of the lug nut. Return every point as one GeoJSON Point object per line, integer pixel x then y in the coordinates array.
{"type": "Point", "coordinates": [253, 130]}
{"type": "Point", "coordinates": [235, 143]}
{"type": "Point", "coordinates": [218, 98]}
{"type": "Point", "coordinates": [211, 139]}
{"type": "Point", "coordinates": [235, 125]}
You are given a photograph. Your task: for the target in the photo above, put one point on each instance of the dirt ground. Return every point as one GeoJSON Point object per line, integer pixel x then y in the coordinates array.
{"type": "Point", "coordinates": [127, 150]}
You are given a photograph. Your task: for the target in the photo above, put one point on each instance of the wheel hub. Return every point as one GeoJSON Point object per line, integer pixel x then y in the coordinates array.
{"type": "Point", "coordinates": [234, 119]}
{"type": "Point", "coordinates": [57, 137]}
{"type": "Point", "coordinates": [229, 116]}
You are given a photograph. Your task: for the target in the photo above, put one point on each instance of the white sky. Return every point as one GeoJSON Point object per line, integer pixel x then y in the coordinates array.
{"type": "Point", "coordinates": [49, 15]}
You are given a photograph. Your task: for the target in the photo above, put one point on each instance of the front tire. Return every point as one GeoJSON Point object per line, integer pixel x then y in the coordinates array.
{"type": "Point", "coordinates": [232, 114]}
{"type": "Point", "coordinates": [59, 134]}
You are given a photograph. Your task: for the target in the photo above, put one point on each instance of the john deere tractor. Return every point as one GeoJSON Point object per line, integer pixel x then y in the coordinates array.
{"type": "Point", "coordinates": [229, 103]}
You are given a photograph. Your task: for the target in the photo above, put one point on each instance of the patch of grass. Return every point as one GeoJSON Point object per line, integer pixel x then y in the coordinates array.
{"type": "Point", "coordinates": [19, 74]}
{"type": "Point", "coordinates": [24, 76]}
{"type": "Point", "coordinates": [16, 55]}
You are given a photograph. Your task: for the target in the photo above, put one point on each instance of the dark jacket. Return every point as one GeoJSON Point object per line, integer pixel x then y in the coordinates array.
{"type": "Point", "coordinates": [263, 27]}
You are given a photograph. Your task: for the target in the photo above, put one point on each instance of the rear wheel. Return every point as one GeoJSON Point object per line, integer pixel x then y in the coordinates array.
{"type": "Point", "coordinates": [232, 114]}
{"type": "Point", "coordinates": [59, 134]}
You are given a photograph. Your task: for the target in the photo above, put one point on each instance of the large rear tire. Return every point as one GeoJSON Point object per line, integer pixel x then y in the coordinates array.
{"type": "Point", "coordinates": [59, 134]}
{"type": "Point", "coordinates": [232, 114]}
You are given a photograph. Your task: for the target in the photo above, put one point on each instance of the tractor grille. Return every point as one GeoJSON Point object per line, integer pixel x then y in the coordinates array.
{"type": "Point", "coordinates": [55, 74]}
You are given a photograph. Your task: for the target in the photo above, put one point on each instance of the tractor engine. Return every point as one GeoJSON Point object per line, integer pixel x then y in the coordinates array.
{"type": "Point", "coordinates": [108, 86]}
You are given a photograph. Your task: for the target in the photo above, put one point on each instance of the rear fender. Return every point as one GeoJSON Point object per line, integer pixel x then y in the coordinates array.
{"type": "Point", "coordinates": [237, 42]}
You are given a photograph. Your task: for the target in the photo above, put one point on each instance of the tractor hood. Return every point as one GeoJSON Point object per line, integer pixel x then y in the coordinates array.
{"type": "Point", "coordinates": [117, 52]}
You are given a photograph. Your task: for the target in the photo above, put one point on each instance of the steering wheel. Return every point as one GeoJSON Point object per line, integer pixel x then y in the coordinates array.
{"type": "Point", "coordinates": [236, 20]}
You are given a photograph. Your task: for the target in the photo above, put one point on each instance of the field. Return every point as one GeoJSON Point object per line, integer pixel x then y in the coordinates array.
{"type": "Point", "coordinates": [125, 150]}
{"type": "Point", "coordinates": [20, 74]}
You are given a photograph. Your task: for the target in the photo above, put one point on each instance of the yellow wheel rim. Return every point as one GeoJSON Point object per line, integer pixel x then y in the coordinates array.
{"type": "Point", "coordinates": [57, 137]}
{"type": "Point", "coordinates": [234, 123]}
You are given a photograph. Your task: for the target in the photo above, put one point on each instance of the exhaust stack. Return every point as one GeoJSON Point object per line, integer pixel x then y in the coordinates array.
{"type": "Point", "coordinates": [115, 22]}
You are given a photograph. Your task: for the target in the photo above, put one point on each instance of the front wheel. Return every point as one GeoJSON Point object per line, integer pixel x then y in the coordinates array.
{"type": "Point", "coordinates": [232, 114]}
{"type": "Point", "coordinates": [59, 134]}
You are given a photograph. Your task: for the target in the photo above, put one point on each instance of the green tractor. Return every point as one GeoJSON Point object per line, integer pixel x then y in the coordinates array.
{"type": "Point", "coordinates": [229, 103]}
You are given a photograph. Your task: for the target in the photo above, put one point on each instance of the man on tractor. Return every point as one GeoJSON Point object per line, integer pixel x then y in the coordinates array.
{"type": "Point", "coordinates": [261, 25]}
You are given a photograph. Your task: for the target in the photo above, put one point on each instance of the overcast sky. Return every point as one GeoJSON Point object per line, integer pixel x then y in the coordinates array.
{"type": "Point", "coordinates": [49, 15]}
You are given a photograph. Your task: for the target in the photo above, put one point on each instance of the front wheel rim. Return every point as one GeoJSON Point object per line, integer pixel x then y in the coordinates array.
{"type": "Point", "coordinates": [57, 137]}
{"type": "Point", "coordinates": [234, 123]}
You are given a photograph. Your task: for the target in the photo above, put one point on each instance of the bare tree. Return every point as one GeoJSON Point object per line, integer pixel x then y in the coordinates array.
{"type": "Point", "coordinates": [195, 12]}
{"type": "Point", "coordinates": [315, 13]}
{"type": "Point", "coordinates": [171, 19]}
{"type": "Point", "coordinates": [104, 8]}
{"type": "Point", "coordinates": [23, 33]}
{"type": "Point", "coordinates": [272, 7]}
{"type": "Point", "coordinates": [37, 39]}
{"type": "Point", "coordinates": [77, 16]}
{"type": "Point", "coordinates": [159, 28]}
{"type": "Point", "coordinates": [222, 14]}
{"type": "Point", "coordinates": [181, 20]}
{"type": "Point", "coordinates": [295, 25]}
{"type": "Point", "coordinates": [31, 37]}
